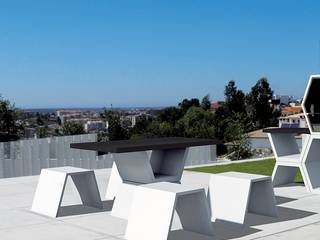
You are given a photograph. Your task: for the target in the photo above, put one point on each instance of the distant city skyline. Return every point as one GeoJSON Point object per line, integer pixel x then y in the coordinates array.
{"type": "Point", "coordinates": [71, 54]}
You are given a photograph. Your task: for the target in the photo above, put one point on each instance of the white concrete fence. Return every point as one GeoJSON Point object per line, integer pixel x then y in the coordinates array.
{"type": "Point", "coordinates": [28, 157]}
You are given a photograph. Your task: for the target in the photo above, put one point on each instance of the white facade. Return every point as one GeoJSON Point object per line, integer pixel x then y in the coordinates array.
{"type": "Point", "coordinates": [95, 125]}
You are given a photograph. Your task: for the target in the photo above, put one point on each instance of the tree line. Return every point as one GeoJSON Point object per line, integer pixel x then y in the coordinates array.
{"type": "Point", "coordinates": [239, 114]}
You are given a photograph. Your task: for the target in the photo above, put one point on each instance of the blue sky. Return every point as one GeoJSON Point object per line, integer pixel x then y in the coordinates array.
{"type": "Point", "coordinates": [152, 53]}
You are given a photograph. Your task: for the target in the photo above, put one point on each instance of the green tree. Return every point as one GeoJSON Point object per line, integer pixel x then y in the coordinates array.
{"type": "Point", "coordinates": [140, 128]}
{"type": "Point", "coordinates": [259, 109]}
{"type": "Point", "coordinates": [43, 131]}
{"type": "Point", "coordinates": [206, 103]}
{"type": "Point", "coordinates": [197, 123]}
{"type": "Point", "coordinates": [170, 115]}
{"type": "Point", "coordinates": [72, 128]}
{"type": "Point", "coordinates": [8, 121]}
{"type": "Point", "coordinates": [39, 119]}
{"type": "Point", "coordinates": [236, 135]}
{"type": "Point", "coordinates": [234, 98]}
{"type": "Point", "coordinates": [115, 129]}
{"type": "Point", "coordinates": [186, 104]}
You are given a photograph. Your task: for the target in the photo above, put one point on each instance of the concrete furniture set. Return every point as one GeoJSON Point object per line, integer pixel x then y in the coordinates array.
{"type": "Point", "coordinates": [147, 191]}
{"type": "Point", "coordinates": [288, 156]}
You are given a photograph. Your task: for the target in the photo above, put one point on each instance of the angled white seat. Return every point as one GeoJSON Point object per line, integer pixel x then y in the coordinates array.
{"type": "Point", "coordinates": [232, 195]}
{"type": "Point", "coordinates": [51, 185]}
{"type": "Point", "coordinates": [153, 210]}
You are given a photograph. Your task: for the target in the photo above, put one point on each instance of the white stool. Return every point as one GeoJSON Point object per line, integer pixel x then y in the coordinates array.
{"type": "Point", "coordinates": [51, 185]}
{"type": "Point", "coordinates": [154, 205]}
{"type": "Point", "coordinates": [233, 194]}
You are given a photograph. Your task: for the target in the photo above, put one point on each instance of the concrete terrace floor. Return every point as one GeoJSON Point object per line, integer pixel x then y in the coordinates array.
{"type": "Point", "coordinates": [299, 215]}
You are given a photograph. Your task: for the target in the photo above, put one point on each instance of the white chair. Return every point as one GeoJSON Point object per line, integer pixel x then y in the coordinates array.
{"type": "Point", "coordinates": [232, 195]}
{"type": "Point", "coordinates": [51, 185]}
{"type": "Point", "coordinates": [153, 210]}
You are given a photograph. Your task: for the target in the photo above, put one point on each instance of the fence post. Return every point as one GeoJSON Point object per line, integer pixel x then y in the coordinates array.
{"type": "Point", "coordinates": [26, 157]}
{"type": "Point", "coordinates": [76, 156]}
{"type": "Point", "coordinates": [17, 165]}
{"type": "Point", "coordinates": [60, 152]}
{"type": "Point", "coordinates": [1, 160]}
{"type": "Point", "coordinates": [35, 157]}
{"type": "Point", "coordinates": [44, 151]}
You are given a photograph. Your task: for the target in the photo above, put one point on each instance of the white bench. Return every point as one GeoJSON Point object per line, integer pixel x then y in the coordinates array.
{"type": "Point", "coordinates": [233, 194]}
{"type": "Point", "coordinates": [153, 209]}
{"type": "Point", "coordinates": [51, 185]}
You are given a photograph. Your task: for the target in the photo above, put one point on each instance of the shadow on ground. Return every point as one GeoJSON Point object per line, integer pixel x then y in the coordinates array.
{"type": "Point", "coordinates": [285, 214]}
{"type": "Point", "coordinates": [226, 230]}
{"type": "Point", "coordinates": [79, 209]}
{"type": "Point", "coordinates": [282, 200]}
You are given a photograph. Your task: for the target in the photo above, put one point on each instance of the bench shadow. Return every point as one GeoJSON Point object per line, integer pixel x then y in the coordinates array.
{"type": "Point", "coordinates": [295, 184]}
{"type": "Point", "coordinates": [222, 230]}
{"type": "Point", "coordinates": [285, 214]}
{"type": "Point", "coordinates": [79, 209]}
{"type": "Point", "coordinates": [282, 200]}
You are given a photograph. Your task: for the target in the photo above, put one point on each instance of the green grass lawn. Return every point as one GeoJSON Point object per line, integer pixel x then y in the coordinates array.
{"type": "Point", "coordinates": [264, 167]}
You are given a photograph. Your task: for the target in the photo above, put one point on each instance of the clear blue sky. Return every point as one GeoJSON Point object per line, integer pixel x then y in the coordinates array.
{"type": "Point", "coordinates": [152, 53]}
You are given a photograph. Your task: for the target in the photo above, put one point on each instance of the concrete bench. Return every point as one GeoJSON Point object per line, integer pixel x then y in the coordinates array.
{"type": "Point", "coordinates": [51, 185]}
{"type": "Point", "coordinates": [232, 195]}
{"type": "Point", "coordinates": [153, 210]}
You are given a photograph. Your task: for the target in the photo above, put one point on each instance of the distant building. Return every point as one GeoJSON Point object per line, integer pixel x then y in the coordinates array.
{"type": "Point", "coordinates": [65, 115]}
{"type": "Point", "coordinates": [133, 118]}
{"type": "Point", "coordinates": [295, 120]}
{"type": "Point", "coordinates": [29, 132]}
{"type": "Point", "coordinates": [286, 111]}
{"type": "Point", "coordinates": [95, 125]}
{"type": "Point", "coordinates": [216, 105]}
{"type": "Point", "coordinates": [283, 99]}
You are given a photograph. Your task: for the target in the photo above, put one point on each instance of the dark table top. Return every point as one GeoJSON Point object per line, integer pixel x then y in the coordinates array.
{"type": "Point", "coordinates": [144, 144]}
{"type": "Point", "coordinates": [287, 130]}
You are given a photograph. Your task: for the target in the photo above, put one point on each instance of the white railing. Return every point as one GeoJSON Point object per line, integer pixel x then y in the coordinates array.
{"type": "Point", "coordinates": [28, 157]}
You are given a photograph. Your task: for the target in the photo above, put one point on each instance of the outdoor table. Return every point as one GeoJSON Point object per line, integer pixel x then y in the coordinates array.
{"type": "Point", "coordinates": [142, 161]}
{"type": "Point", "coordinates": [165, 161]}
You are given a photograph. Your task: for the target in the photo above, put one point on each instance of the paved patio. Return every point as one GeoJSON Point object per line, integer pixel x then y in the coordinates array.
{"type": "Point", "coordinates": [299, 215]}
